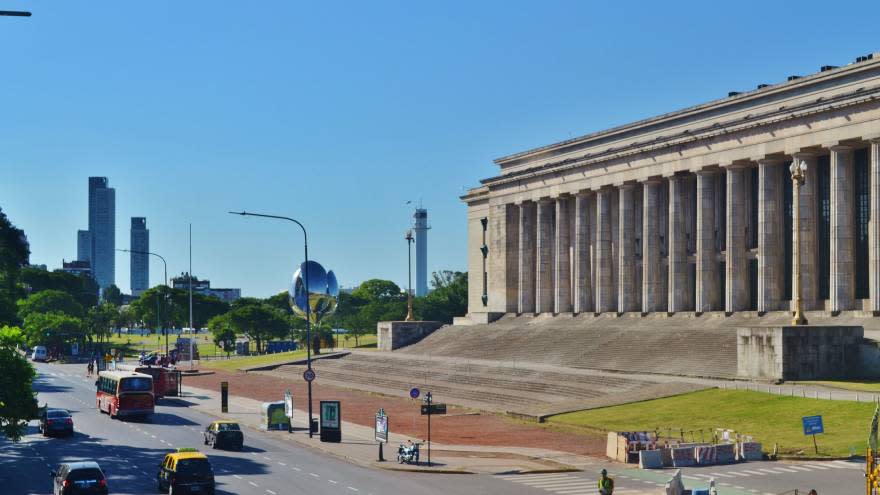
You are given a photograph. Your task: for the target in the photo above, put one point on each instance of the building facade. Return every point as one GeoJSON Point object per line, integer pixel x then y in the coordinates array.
{"type": "Point", "coordinates": [692, 211]}
{"type": "Point", "coordinates": [140, 261]}
{"type": "Point", "coordinates": [100, 240]}
{"type": "Point", "coordinates": [204, 287]}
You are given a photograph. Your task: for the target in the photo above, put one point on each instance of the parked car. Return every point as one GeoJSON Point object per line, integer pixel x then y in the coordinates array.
{"type": "Point", "coordinates": [75, 478]}
{"type": "Point", "coordinates": [55, 422]}
{"type": "Point", "coordinates": [185, 471]}
{"type": "Point", "coordinates": [39, 353]}
{"type": "Point", "coordinates": [224, 434]}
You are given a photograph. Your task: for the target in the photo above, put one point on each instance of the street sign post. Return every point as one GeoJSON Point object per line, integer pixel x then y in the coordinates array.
{"type": "Point", "coordinates": [381, 431]}
{"type": "Point", "coordinates": [309, 375]}
{"type": "Point", "coordinates": [433, 409]}
{"type": "Point", "coordinates": [428, 409]}
{"type": "Point", "coordinates": [813, 426]}
{"type": "Point", "coordinates": [414, 393]}
{"type": "Point", "coordinates": [224, 397]}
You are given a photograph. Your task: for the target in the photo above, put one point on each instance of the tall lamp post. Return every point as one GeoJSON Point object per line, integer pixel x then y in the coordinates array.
{"type": "Point", "coordinates": [308, 319]}
{"type": "Point", "coordinates": [409, 241]}
{"type": "Point", "coordinates": [164, 291]}
{"type": "Point", "coordinates": [798, 171]}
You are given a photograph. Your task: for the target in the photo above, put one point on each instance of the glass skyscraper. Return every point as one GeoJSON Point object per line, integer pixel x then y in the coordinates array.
{"type": "Point", "coordinates": [100, 240]}
{"type": "Point", "coordinates": [140, 263]}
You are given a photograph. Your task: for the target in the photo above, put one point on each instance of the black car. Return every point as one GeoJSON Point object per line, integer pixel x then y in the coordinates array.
{"type": "Point", "coordinates": [224, 434]}
{"type": "Point", "coordinates": [75, 478]}
{"type": "Point", "coordinates": [55, 422]}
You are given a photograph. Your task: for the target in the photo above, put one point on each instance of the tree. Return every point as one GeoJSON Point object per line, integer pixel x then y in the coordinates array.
{"type": "Point", "coordinates": [14, 253]}
{"type": "Point", "coordinates": [53, 330]}
{"type": "Point", "coordinates": [82, 287]}
{"type": "Point", "coordinates": [447, 300]}
{"type": "Point", "coordinates": [379, 290]}
{"type": "Point", "coordinates": [166, 301]}
{"type": "Point", "coordinates": [50, 301]}
{"type": "Point", "coordinates": [100, 321]}
{"type": "Point", "coordinates": [113, 295]}
{"type": "Point", "coordinates": [280, 301]}
{"type": "Point", "coordinates": [205, 308]}
{"type": "Point", "coordinates": [18, 403]}
{"type": "Point", "coordinates": [259, 322]}
{"type": "Point", "coordinates": [222, 332]}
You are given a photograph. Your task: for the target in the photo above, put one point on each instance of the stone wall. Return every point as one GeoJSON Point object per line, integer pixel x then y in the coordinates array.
{"type": "Point", "coordinates": [393, 335]}
{"type": "Point", "coordinates": [799, 353]}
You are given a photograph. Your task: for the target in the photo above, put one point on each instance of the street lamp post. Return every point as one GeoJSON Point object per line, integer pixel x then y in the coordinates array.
{"type": "Point", "coordinates": [308, 315]}
{"type": "Point", "coordinates": [409, 241]}
{"type": "Point", "coordinates": [14, 13]}
{"type": "Point", "coordinates": [798, 175]}
{"type": "Point", "coordinates": [164, 291]}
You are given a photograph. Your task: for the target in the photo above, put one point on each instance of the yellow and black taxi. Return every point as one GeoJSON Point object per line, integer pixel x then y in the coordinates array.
{"type": "Point", "coordinates": [224, 434]}
{"type": "Point", "coordinates": [185, 471]}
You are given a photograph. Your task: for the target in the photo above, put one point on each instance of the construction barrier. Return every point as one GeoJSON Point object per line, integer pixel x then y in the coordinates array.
{"type": "Point", "coordinates": [704, 455]}
{"type": "Point", "coordinates": [750, 451]}
{"type": "Point", "coordinates": [666, 456]}
{"type": "Point", "coordinates": [725, 453]}
{"type": "Point", "coordinates": [682, 457]}
{"type": "Point", "coordinates": [650, 459]}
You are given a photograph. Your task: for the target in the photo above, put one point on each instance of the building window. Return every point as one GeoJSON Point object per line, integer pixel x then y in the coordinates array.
{"type": "Point", "coordinates": [787, 234]}
{"type": "Point", "coordinates": [862, 198]}
{"type": "Point", "coordinates": [721, 217]}
{"type": "Point", "coordinates": [752, 237]}
{"type": "Point", "coordinates": [753, 285]}
{"type": "Point", "coordinates": [823, 185]}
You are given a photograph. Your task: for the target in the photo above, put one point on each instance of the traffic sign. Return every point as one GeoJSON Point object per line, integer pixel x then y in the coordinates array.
{"type": "Point", "coordinates": [309, 375]}
{"type": "Point", "coordinates": [414, 393]}
{"type": "Point", "coordinates": [813, 425]}
{"type": "Point", "coordinates": [433, 408]}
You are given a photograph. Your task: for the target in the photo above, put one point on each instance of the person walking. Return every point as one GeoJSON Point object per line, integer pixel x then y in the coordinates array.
{"type": "Point", "coordinates": [89, 368]}
{"type": "Point", "coordinates": [606, 484]}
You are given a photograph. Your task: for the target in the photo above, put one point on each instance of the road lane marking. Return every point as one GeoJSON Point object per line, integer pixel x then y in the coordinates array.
{"type": "Point", "coordinates": [315, 475]}
{"type": "Point", "coordinates": [253, 484]}
{"type": "Point", "coordinates": [281, 463]}
{"type": "Point", "coordinates": [237, 476]}
{"type": "Point", "coordinates": [297, 469]}
{"type": "Point", "coordinates": [331, 481]}
{"type": "Point", "coordinates": [353, 489]}
{"type": "Point", "coordinates": [270, 492]}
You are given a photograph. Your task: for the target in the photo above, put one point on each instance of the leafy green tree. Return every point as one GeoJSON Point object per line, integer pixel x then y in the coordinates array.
{"type": "Point", "coordinates": [259, 322]}
{"type": "Point", "coordinates": [222, 332]}
{"type": "Point", "coordinates": [205, 308]}
{"type": "Point", "coordinates": [18, 403]}
{"type": "Point", "coordinates": [100, 320]}
{"type": "Point", "coordinates": [82, 287]}
{"type": "Point", "coordinates": [113, 295]}
{"type": "Point", "coordinates": [447, 299]}
{"type": "Point", "coordinates": [50, 301]}
{"type": "Point", "coordinates": [280, 301]}
{"type": "Point", "coordinates": [52, 330]}
{"type": "Point", "coordinates": [379, 290]}
{"type": "Point", "coordinates": [14, 253]}
{"type": "Point", "coordinates": [164, 300]}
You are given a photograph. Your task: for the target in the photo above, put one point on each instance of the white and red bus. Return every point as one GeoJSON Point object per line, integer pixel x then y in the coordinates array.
{"type": "Point", "coordinates": [164, 379]}
{"type": "Point", "coordinates": [124, 393]}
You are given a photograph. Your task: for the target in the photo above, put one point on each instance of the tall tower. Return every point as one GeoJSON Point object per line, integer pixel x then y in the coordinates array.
{"type": "Point", "coordinates": [420, 226]}
{"type": "Point", "coordinates": [140, 263]}
{"type": "Point", "coordinates": [102, 227]}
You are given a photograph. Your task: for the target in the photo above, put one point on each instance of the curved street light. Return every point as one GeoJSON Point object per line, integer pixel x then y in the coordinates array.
{"type": "Point", "coordinates": [165, 290]}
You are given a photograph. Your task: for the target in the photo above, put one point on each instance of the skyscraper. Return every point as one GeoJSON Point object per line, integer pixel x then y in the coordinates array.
{"type": "Point", "coordinates": [140, 263]}
{"type": "Point", "coordinates": [102, 230]}
{"type": "Point", "coordinates": [420, 226]}
{"type": "Point", "coordinates": [83, 245]}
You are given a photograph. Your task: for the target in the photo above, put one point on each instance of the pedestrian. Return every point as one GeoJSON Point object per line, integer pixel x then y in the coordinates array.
{"type": "Point", "coordinates": [89, 369]}
{"type": "Point", "coordinates": [813, 492]}
{"type": "Point", "coordinates": [606, 484]}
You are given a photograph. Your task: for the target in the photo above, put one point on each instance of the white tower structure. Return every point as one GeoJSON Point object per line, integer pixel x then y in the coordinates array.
{"type": "Point", "coordinates": [420, 227]}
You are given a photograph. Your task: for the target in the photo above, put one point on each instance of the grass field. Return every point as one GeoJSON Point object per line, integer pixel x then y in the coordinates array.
{"type": "Point", "coordinates": [768, 418]}
{"type": "Point", "coordinates": [132, 344]}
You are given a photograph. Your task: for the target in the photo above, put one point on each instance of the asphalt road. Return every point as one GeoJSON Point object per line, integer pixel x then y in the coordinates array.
{"type": "Point", "coordinates": [130, 452]}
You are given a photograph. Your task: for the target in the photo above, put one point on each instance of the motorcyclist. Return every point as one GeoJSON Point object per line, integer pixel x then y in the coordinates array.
{"type": "Point", "coordinates": [606, 484]}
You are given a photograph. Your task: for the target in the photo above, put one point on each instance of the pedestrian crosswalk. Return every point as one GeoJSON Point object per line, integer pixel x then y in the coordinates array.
{"type": "Point", "coordinates": [567, 484]}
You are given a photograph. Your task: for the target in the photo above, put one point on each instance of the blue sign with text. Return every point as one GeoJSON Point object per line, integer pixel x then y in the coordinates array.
{"type": "Point", "coordinates": [813, 425]}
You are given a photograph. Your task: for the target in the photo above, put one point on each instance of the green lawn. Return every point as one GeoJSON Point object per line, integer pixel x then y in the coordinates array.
{"type": "Point", "coordinates": [768, 418]}
{"type": "Point", "coordinates": [365, 342]}
{"type": "Point", "coordinates": [854, 385]}
{"type": "Point", "coordinates": [133, 344]}
{"type": "Point", "coordinates": [240, 362]}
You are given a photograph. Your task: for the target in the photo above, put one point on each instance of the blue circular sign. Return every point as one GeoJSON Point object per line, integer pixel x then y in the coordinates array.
{"type": "Point", "coordinates": [309, 375]}
{"type": "Point", "coordinates": [414, 393]}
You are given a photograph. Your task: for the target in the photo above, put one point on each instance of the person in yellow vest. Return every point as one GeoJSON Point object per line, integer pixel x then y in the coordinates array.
{"type": "Point", "coordinates": [606, 484]}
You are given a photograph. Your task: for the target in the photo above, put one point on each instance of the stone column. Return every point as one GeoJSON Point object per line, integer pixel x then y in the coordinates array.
{"type": "Point", "coordinates": [582, 299]}
{"type": "Point", "coordinates": [562, 276]}
{"type": "Point", "coordinates": [527, 239]}
{"type": "Point", "coordinates": [707, 255]}
{"type": "Point", "coordinates": [503, 259]}
{"type": "Point", "coordinates": [544, 272]}
{"type": "Point", "coordinates": [874, 228]}
{"type": "Point", "coordinates": [770, 253]}
{"type": "Point", "coordinates": [736, 266]}
{"type": "Point", "coordinates": [678, 279]}
{"type": "Point", "coordinates": [809, 246]}
{"type": "Point", "coordinates": [626, 251]}
{"type": "Point", "coordinates": [842, 280]}
{"type": "Point", "coordinates": [653, 298]}
{"type": "Point", "coordinates": [605, 297]}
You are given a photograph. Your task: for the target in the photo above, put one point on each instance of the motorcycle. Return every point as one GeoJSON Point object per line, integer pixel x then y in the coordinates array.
{"type": "Point", "coordinates": [408, 454]}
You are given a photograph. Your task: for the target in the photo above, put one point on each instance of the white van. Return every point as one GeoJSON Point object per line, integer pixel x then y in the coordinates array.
{"type": "Point", "coordinates": [39, 354]}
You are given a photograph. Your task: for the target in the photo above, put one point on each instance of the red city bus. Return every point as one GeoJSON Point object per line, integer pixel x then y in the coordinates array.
{"type": "Point", "coordinates": [124, 393]}
{"type": "Point", "coordinates": [164, 379]}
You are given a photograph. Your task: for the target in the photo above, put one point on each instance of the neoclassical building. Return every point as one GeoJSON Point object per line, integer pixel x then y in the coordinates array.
{"type": "Point", "coordinates": [691, 211]}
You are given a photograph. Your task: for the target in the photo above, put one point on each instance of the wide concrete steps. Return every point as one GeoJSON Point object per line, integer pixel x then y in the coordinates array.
{"type": "Point", "coordinates": [698, 347]}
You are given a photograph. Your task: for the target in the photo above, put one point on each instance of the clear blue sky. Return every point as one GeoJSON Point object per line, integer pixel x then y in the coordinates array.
{"type": "Point", "coordinates": [336, 113]}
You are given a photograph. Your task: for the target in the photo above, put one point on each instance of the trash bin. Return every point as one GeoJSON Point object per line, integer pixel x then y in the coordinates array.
{"type": "Point", "coordinates": [314, 425]}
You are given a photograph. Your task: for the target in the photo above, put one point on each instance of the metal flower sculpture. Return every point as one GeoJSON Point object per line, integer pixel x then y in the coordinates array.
{"type": "Point", "coordinates": [320, 295]}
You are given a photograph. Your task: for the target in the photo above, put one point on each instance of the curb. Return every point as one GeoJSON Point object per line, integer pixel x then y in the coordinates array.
{"type": "Point", "coordinates": [813, 458]}
{"type": "Point", "coordinates": [393, 467]}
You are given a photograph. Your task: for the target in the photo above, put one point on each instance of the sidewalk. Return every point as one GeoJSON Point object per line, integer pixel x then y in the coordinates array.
{"type": "Point", "coordinates": [359, 446]}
